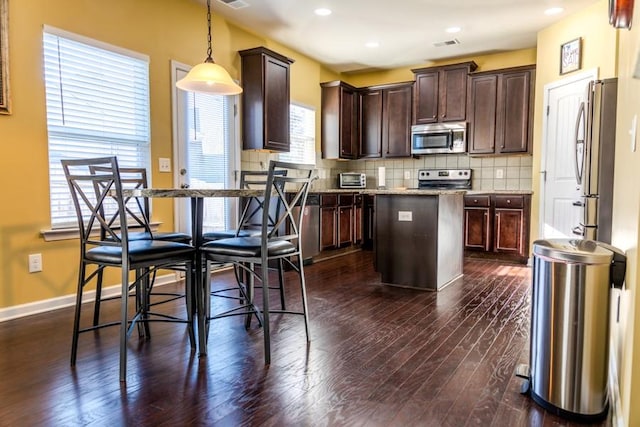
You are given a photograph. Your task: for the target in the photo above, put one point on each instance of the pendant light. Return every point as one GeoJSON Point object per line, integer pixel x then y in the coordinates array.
{"type": "Point", "coordinates": [209, 77]}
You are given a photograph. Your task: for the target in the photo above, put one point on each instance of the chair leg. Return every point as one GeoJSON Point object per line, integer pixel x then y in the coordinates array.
{"type": "Point", "coordinates": [283, 305]}
{"type": "Point", "coordinates": [250, 292]}
{"type": "Point", "coordinates": [188, 291]}
{"type": "Point", "coordinates": [76, 318]}
{"type": "Point", "coordinates": [96, 304]}
{"type": "Point", "coordinates": [203, 298]}
{"type": "Point", "coordinates": [124, 324]}
{"type": "Point", "coordinates": [265, 312]}
{"type": "Point", "coordinates": [303, 290]}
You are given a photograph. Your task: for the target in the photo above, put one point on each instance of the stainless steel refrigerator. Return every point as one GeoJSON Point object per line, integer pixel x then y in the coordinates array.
{"type": "Point", "coordinates": [594, 159]}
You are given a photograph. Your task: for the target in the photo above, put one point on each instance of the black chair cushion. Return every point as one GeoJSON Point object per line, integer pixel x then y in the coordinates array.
{"type": "Point", "coordinates": [247, 247]}
{"type": "Point", "coordinates": [141, 252]}
{"type": "Point", "coordinates": [171, 236]}
{"type": "Point", "coordinates": [228, 234]}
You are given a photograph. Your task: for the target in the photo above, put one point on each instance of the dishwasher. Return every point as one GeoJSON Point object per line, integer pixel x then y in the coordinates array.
{"type": "Point", "coordinates": [310, 227]}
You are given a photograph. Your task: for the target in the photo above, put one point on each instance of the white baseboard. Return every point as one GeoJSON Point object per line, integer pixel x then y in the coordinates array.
{"type": "Point", "coordinates": [37, 307]}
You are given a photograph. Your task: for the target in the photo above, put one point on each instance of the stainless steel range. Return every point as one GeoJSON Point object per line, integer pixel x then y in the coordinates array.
{"type": "Point", "coordinates": [444, 179]}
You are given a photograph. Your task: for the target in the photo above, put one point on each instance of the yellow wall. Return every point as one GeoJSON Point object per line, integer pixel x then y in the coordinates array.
{"type": "Point", "coordinates": [614, 53]}
{"type": "Point", "coordinates": [485, 62]}
{"type": "Point", "coordinates": [163, 30]}
{"type": "Point", "coordinates": [626, 218]}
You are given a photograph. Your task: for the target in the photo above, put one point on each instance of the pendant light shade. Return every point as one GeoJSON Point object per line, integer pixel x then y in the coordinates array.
{"type": "Point", "coordinates": [209, 77]}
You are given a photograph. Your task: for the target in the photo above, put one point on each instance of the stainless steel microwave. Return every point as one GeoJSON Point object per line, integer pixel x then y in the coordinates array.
{"type": "Point", "coordinates": [352, 180]}
{"type": "Point", "coordinates": [438, 138]}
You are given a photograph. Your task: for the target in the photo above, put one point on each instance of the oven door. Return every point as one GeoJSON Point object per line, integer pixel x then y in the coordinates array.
{"type": "Point", "coordinates": [432, 142]}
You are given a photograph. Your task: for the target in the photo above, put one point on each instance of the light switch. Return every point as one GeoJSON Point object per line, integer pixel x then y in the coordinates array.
{"type": "Point", "coordinates": [499, 173]}
{"type": "Point", "coordinates": [164, 164]}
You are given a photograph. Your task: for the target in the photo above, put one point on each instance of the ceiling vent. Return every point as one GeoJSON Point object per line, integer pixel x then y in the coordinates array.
{"type": "Point", "coordinates": [447, 43]}
{"type": "Point", "coordinates": [235, 4]}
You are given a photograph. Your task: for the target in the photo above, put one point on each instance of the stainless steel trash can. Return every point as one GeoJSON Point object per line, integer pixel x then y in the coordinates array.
{"type": "Point", "coordinates": [570, 326]}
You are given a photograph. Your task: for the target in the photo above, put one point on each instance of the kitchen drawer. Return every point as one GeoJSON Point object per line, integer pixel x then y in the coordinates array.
{"type": "Point", "coordinates": [509, 202]}
{"type": "Point", "coordinates": [328, 200]}
{"type": "Point", "coordinates": [471, 201]}
{"type": "Point", "coordinates": [345, 199]}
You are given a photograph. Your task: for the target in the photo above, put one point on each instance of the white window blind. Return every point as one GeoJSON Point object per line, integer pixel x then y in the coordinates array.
{"type": "Point", "coordinates": [302, 134]}
{"type": "Point", "coordinates": [97, 105]}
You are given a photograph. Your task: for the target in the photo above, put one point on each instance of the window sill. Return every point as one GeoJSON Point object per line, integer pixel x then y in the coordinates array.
{"type": "Point", "coordinates": [52, 235]}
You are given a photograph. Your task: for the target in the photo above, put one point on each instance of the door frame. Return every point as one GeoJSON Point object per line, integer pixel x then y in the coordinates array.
{"type": "Point", "coordinates": [235, 144]}
{"type": "Point", "coordinates": [591, 74]}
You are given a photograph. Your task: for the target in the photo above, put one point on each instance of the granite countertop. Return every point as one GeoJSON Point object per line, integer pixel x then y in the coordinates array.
{"type": "Point", "coordinates": [414, 191]}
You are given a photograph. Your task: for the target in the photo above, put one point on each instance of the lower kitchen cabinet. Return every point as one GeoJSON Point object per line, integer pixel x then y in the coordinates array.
{"type": "Point", "coordinates": [497, 225]}
{"type": "Point", "coordinates": [340, 220]}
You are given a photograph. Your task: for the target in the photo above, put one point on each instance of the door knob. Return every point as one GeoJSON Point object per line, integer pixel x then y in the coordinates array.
{"type": "Point", "coordinates": [183, 171]}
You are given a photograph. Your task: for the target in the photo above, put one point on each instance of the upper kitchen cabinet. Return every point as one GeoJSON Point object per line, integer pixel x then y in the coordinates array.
{"type": "Point", "coordinates": [440, 93]}
{"type": "Point", "coordinates": [385, 120]}
{"type": "Point", "coordinates": [339, 118]}
{"type": "Point", "coordinates": [500, 111]}
{"type": "Point", "coordinates": [265, 99]}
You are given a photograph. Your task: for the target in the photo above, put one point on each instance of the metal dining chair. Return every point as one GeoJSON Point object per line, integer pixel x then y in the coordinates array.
{"type": "Point", "coordinates": [250, 224]}
{"type": "Point", "coordinates": [252, 254]}
{"type": "Point", "coordinates": [139, 214]}
{"type": "Point", "coordinates": [104, 243]}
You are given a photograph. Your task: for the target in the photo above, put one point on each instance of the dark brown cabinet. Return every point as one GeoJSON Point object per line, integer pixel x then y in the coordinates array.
{"type": "Point", "coordinates": [265, 99]}
{"type": "Point", "coordinates": [385, 120]}
{"type": "Point", "coordinates": [500, 111]}
{"type": "Point", "coordinates": [440, 93]}
{"type": "Point", "coordinates": [497, 224]}
{"type": "Point", "coordinates": [339, 117]}
{"type": "Point", "coordinates": [341, 220]}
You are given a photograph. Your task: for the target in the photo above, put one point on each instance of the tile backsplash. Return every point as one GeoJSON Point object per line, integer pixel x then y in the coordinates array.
{"type": "Point", "coordinates": [516, 170]}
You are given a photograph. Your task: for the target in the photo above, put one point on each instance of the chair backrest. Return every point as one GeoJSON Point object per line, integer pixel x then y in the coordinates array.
{"type": "Point", "coordinates": [137, 208]}
{"type": "Point", "coordinates": [251, 214]}
{"type": "Point", "coordinates": [96, 191]}
{"type": "Point", "coordinates": [290, 190]}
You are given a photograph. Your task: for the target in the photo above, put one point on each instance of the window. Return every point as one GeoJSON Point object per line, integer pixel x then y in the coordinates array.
{"type": "Point", "coordinates": [302, 130]}
{"type": "Point", "coordinates": [97, 105]}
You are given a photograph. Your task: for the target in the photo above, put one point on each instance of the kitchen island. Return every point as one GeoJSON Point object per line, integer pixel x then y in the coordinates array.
{"type": "Point", "coordinates": [419, 237]}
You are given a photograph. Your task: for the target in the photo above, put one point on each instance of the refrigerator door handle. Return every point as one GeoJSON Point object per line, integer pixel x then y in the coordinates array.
{"type": "Point", "coordinates": [579, 144]}
{"type": "Point", "coordinates": [578, 230]}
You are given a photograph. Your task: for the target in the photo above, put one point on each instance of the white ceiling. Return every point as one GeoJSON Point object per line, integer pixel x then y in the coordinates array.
{"type": "Point", "coordinates": [405, 29]}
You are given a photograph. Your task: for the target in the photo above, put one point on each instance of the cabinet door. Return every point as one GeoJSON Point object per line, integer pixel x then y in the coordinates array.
{"type": "Point", "coordinates": [371, 123]}
{"type": "Point", "coordinates": [396, 122]}
{"type": "Point", "coordinates": [482, 114]}
{"type": "Point", "coordinates": [426, 98]}
{"type": "Point", "coordinates": [358, 213]}
{"type": "Point", "coordinates": [453, 94]}
{"type": "Point", "coordinates": [477, 229]}
{"type": "Point", "coordinates": [345, 225]}
{"type": "Point", "coordinates": [348, 124]}
{"type": "Point", "coordinates": [508, 230]}
{"type": "Point", "coordinates": [328, 227]}
{"type": "Point", "coordinates": [276, 94]}
{"type": "Point", "coordinates": [513, 116]}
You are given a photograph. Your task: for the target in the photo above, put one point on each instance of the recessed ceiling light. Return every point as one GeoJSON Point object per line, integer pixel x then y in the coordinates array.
{"type": "Point", "coordinates": [323, 11]}
{"type": "Point", "coordinates": [553, 11]}
{"type": "Point", "coordinates": [372, 44]}
{"type": "Point", "coordinates": [453, 30]}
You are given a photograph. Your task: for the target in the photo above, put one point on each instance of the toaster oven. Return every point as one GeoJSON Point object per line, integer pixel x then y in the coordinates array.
{"type": "Point", "coordinates": [352, 180]}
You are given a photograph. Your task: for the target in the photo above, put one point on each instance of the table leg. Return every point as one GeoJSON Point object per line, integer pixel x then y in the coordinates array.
{"type": "Point", "coordinates": [197, 219]}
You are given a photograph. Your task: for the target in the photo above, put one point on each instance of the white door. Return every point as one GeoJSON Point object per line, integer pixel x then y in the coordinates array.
{"type": "Point", "coordinates": [205, 151]}
{"type": "Point", "coordinates": [558, 187]}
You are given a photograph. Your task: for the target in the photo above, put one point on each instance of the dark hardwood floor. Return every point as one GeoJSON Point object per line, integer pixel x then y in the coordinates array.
{"type": "Point", "coordinates": [379, 356]}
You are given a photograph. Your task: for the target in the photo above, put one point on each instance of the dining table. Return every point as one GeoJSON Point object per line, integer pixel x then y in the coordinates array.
{"type": "Point", "coordinates": [197, 197]}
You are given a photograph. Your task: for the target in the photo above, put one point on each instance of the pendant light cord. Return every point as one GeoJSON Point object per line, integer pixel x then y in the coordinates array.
{"type": "Point", "coordinates": [209, 51]}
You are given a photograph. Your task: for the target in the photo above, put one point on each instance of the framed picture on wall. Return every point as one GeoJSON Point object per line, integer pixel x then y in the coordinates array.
{"type": "Point", "coordinates": [571, 56]}
{"type": "Point", "coordinates": [4, 58]}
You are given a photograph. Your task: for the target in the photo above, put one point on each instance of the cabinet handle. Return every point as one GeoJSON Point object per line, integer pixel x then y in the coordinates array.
{"type": "Point", "coordinates": [475, 200]}
{"type": "Point", "coordinates": [508, 201]}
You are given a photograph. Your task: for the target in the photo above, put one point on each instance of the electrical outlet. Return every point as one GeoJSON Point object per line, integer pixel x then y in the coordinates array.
{"type": "Point", "coordinates": [35, 263]}
{"type": "Point", "coordinates": [164, 164]}
{"type": "Point", "coordinates": [407, 174]}
{"type": "Point", "coordinates": [499, 173]}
